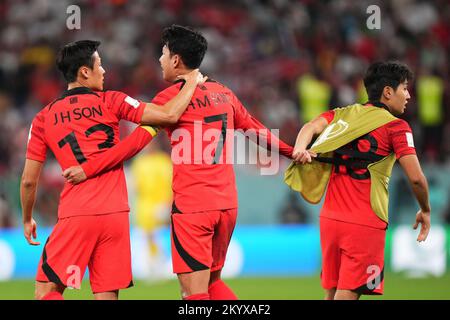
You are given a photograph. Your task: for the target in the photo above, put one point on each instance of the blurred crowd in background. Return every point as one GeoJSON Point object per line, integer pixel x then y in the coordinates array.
{"type": "Point", "coordinates": [286, 60]}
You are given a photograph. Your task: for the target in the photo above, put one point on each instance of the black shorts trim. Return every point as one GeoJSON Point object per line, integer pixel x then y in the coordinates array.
{"type": "Point", "coordinates": [364, 289]}
{"type": "Point", "coordinates": [48, 271]}
{"type": "Point", "coordinates": [190, 261]}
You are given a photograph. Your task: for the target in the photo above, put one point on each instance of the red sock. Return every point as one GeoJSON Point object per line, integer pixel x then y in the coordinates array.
{"type": "Point", "coordinates": [218, 290]}
{"type": "Point", "coordinates": [53, 295]}
{"type": "Point", "coordinates": [197, 296]}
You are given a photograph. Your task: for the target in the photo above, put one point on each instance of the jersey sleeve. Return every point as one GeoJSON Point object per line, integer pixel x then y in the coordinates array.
{"type": "Point", "coordinates": [121, 152]}
{"type": "Point", "coordinates": [245, 121]}
{"type": "Point", "coordinates": [401, 137]}
{"type": "Point", "coordinates": [124, 106]}
{"type": "Point", "coordinates": [328, 115]}
{"type": "Point", "coordinates": [37, 147]}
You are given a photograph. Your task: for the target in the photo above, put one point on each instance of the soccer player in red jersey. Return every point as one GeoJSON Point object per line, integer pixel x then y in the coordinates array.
{"type": "Point", "coordinates": [352, 233]}
{"type": "Point", "coordinates": [205, 204]}
{"type": "Point", "coordinates": [93, 226]}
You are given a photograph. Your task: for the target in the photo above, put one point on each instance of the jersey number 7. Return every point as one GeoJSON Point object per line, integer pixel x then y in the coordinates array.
{"type": "Point", "coordinates": [219, 117]}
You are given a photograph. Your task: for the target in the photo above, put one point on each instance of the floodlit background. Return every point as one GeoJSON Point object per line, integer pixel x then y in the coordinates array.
{"type": "Point", "coordinates": [288, 61]}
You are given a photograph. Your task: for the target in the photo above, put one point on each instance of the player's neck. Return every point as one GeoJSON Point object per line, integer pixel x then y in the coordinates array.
{"type": "Point", "coordinates": [384, 102]}
{"type": "Point", "coordinates": [75, 84]}
{"type": "Point", "coordinates": [181, 72]}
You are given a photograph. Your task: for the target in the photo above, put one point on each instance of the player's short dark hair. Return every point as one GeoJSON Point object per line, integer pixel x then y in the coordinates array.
{"type": "Point", "coordinates": [74, 55]}
{"type": "Point", "coordinates": [385, 74]}
{"type": "Point", "coordinates": [186, 42]}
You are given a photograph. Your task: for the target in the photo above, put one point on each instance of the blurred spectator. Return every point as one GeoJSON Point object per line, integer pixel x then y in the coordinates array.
{"type": "Point", "coordinates": [430, 101]}
{"type": "Point", "coordinates": [292, 212]}
{"type": "Point", "coordinates": [5, 213]}
{"type": "Point", "coordinates": [314, 96]}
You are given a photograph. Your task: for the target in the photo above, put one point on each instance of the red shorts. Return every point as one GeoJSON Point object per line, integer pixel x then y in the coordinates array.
{"type": "Point", "coordinates": [352, 256]}
{"type": "Point", "coordinates": [101, 242]}
{"type": "Point", "coordinates": [200, 240]}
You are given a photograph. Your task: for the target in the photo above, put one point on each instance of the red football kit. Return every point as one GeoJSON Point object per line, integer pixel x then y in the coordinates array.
{"type": "Point", "coordinates": [352, 235]}
{"type": "Point", "coordinates": [205, 197]}
{"type": "Point", "coordinates": [92, 227]}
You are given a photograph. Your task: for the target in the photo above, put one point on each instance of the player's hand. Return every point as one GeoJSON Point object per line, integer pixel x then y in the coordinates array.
{"type": "Point", "coordinates": [303, 156]}
{"type": "Point", "coordinates": [298, 154]}
{"type": "Point", "coordinates": [195, 76]}
{"type": "Point", "coordinates": [423, 218]}
{"type": "Point", "coordinates": [29, 231]}
{"type": "Point", "coordinates": [74, 175]}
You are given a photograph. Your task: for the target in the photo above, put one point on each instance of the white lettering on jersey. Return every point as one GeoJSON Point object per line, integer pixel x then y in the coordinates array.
{"type": "Point", "coordinates": [132, 102]}
{"type": "Point", "coordinates": [410, 139]}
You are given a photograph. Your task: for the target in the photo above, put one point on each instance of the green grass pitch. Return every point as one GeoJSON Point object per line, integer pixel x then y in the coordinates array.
{"type": "Point", "coordinates": [295, 288]}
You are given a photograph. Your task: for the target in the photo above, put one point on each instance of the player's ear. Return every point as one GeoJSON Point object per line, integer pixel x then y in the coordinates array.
{"type": "Point", "coordinates": [84, 72]}
{"type": "Point", "coordinates": [387, 92]}
{"type": "Point", "coordinates": [176, 60]}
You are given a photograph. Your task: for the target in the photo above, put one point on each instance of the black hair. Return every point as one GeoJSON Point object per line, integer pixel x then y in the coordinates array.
{"type": "Point", "coordinates": [385, 74]}
{"type": "Point", "coordinates": [75, 55]}
{"type": "Point", "coordinates": [186, 42]}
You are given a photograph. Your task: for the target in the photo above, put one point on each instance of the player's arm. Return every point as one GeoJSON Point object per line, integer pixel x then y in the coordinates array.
{"type": "Point", "coordinates": [304, 138]}
{"type": "Point", "coordinates": [112, 157]}
{"type": "Point", "coordinates": [244, 120]}
{"type": "Point", "coordinates": [35, 157]}
{"type": "Point", "coordinates": [170, 112]}
{"type": "Point", "coordinates": [411, 166]}
{"type": "Point", "coordinates": [271, 140]}
{"type": "Point", "coordinates": [28, 187]}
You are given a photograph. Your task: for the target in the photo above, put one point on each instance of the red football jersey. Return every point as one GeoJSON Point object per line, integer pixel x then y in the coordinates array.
{"type": "Point", "coordinates": [203, 178]}
{"type": "Point", "coordinates": [76, 127]}
{"type": "Point", "coordinates": [348, 194]}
